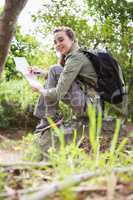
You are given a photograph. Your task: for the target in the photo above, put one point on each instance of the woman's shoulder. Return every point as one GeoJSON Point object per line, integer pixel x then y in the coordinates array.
{"type": "Point", "coordinates": [76, 55]}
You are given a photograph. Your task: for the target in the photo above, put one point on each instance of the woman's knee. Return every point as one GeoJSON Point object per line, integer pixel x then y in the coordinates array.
{"type": "Point", "coordinates": [56, 69]}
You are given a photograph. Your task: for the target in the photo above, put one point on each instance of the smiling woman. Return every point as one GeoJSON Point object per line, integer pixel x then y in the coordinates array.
{"type": "Point", "coordinates": [65, 83]}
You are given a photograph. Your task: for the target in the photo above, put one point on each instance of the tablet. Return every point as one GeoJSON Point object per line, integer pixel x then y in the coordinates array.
{"type": "Point", "coordinates": [21, 64]}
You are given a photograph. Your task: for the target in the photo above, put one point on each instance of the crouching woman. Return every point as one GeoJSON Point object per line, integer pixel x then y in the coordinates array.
{"type": "Point", "coordinates": [72, 80]}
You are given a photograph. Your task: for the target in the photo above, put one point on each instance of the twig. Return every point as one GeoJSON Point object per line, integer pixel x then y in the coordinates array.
{"type": "Point", "coordinates": [123, 169]}
{"type": "Point", "coordinates": [21, 192]}
{"type": "Point", "coordinates": [93, 188]}
{"type": "Point", "coordinates": [57, 186]}
{"type": "Point", "coordinates": [46, 190]}
{"type": "Point", "coordinates": [75, 189]}
{"type": "Point", "coordinates": [70, 181]}
{"type": "Point", "coordinates": [111, 186]}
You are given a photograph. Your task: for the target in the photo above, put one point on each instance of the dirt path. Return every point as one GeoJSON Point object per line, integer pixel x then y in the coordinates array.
{"type": "Point", "coordinates": [10, 152]}
{"type": "Point", "coordinates": [10, 156]}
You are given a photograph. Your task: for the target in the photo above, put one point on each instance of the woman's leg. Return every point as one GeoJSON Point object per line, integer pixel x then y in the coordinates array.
{"type": "Point", "coordinates": [42, 107]}
{"type": "Point", "coordinates": [76, 99]}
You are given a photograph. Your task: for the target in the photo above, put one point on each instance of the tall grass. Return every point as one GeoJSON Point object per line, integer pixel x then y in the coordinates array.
{"type": "Point", "coordinates": [16, 104]}
{"type": "Point", "coordinates": [17, 91]}
{"type": "Point", "coordinates": [72, 159]}
{"type": "Point", "coordinates": [114, 141]}
{"type": "Point", "coordinates": [95, 125]}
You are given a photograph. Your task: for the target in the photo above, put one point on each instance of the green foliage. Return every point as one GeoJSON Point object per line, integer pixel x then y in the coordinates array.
{"type": "Point", "coordinates": [16, 104]}
{"type": "Point", "coordinates": [114, 142]}
{"type": "Point", "coordinates": [32, 151]}
{"type": "Point", "coordinates": [3, 176]}
{"type": "Point", "coordinates": [113, 19]}
{"type": "Point", "coordinates": [57, 14]}
{"type": "Point", "coordinates": [28, 47]}
{"type": "Point", "coordinates": [73, 160]}
{"type": "Point", "coordinates": [95, 125]}
{"type": "Point", "coordinates": [21, 46]}
{"type": "Point", "coordinates": [66, 111]}
{"type": "Point", "coordinates": [102, 22]}
{"type": "Point", "coordinates": [119, 10]}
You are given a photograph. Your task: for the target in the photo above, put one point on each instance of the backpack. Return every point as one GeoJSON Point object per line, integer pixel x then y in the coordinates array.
{"type": "Point", "coordinates": [110, 85]}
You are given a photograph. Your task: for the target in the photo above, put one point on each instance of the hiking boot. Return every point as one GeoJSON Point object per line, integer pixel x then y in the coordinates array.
{"type": "Point", "coordinates": [44, 124]}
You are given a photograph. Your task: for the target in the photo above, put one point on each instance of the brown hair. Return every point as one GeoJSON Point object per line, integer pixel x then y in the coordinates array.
{"type": "Point", "coordinates": [70, 33]}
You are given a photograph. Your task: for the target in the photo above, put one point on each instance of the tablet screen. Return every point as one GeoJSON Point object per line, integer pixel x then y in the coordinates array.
{"type": "Point", "coordinates": [21, 64]}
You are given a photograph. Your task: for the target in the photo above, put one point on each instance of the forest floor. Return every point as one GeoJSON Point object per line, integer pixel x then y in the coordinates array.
{"type": "Point", "coordinates": [15, 135]}
{"type": "Point", "coordinates": [12, 153]}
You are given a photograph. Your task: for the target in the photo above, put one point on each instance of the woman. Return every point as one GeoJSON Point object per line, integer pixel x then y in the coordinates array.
{"type": "Point", "coordinates": [72, 81]}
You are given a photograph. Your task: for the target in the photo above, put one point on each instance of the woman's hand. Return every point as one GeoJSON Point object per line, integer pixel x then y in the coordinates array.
{"type": "Point", "coordinates": [37, 72]}
{"type": "Point", "coordinates": [39, 88]}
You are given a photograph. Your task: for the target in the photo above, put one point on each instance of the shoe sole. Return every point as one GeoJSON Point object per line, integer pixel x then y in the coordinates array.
{"type": "Point", "coordinates": [48, 127]}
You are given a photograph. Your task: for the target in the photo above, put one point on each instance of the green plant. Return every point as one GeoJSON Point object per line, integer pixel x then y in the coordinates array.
{"type": "Point", "coordinates": [66, 111]}
{"type": "Point", "coordinates": [16, 102]}
{"type": "Point", "coordinates": [114, 142]}
{"type": "Point", "coordinates": [95, 124]}
{"type": "Point", "coordinates": [72, 159]}
{"type": "Point", "coordinates": [3, 176]}
{"type": "Point", "coordinates": [32, 151]}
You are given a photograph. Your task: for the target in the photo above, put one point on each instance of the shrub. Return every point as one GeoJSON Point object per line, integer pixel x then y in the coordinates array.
{"type": "Point", "coordinates": [16, 104]}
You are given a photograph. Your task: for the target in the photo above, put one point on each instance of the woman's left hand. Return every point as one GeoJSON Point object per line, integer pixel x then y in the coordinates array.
{"type": "Point", "coordinates": [39, 88]}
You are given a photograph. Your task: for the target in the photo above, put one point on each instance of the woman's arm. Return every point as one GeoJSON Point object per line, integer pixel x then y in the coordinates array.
{"type": "Point", "coordinates": [72, 68]}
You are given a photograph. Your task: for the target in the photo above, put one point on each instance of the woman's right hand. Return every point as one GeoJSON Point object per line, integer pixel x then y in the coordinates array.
{"type": "Point", "coordinates": [37, 71]}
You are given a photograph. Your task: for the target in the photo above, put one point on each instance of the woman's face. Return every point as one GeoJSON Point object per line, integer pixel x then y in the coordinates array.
{"type": "Point", "coordinates": [62, 42]}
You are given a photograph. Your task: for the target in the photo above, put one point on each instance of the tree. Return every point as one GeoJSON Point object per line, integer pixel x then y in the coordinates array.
{"type": "Point", "coordinates": [115, 18]}
{"type": "Point", "coordinates": [64, 13]}
{"type": "Point", "coordinates": [8, 20]}
{"type": "Point", "coordinates": [111, 24]}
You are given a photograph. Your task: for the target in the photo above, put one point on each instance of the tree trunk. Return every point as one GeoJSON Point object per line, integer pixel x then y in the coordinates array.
{"type": "Point", "coordinates": [8, 19]}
